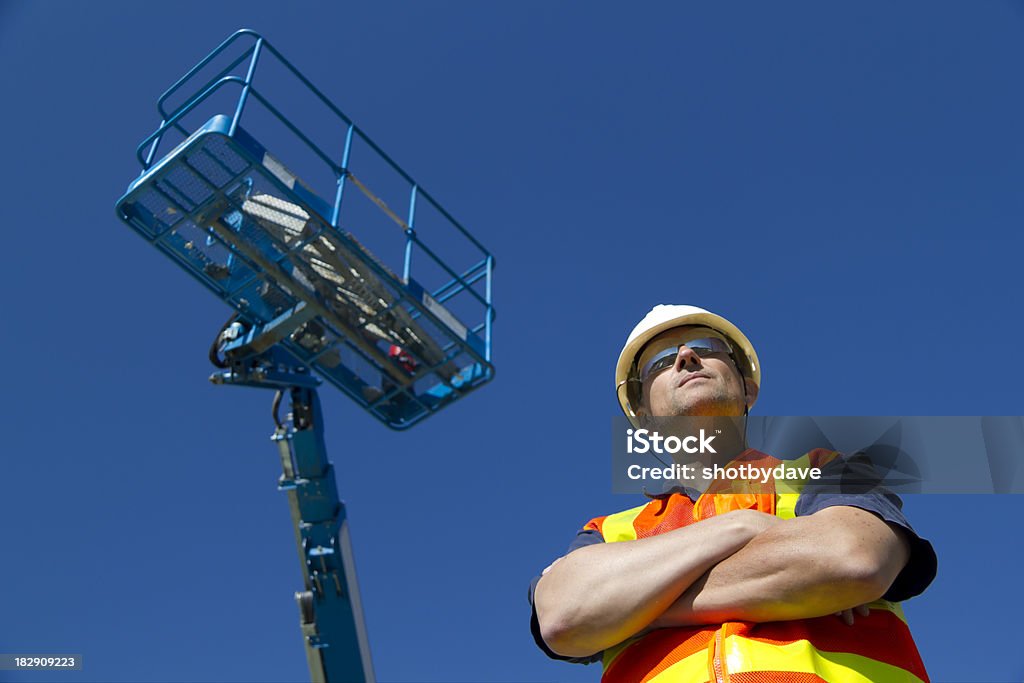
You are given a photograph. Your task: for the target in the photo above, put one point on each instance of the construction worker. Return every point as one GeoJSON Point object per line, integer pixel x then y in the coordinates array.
{"type": "Point", "coordinates": [743, 588]}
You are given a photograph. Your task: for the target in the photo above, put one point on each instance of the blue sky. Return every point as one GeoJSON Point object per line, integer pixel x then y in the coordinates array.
{"type": "Point", "coordinates": [842, 181]}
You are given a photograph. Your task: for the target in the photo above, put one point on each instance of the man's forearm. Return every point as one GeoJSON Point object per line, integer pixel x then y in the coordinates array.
{"type": "Point", "coordinates": [600, 595]}
{"type": "Point", "coordinates": [808, 567]}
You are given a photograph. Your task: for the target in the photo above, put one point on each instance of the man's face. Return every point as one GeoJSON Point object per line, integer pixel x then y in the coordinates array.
{"type": "Point", "coordinates": [692, 384]}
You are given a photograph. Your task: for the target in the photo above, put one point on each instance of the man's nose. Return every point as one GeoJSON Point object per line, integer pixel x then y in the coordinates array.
{"type": "Point", "coordinates": [686, 358]}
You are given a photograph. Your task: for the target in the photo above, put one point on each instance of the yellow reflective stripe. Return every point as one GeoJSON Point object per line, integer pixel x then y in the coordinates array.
{"type": "Point", "coordinates": [744, 655]}
{"type": "Point", "coordinates": [619, 527]}
{"type": "Point", "coordinates": [788, 490]}
{"type": "Point", "coordinates": [785, 505]}
{"type": "Point", "coordinates": [793, 485]}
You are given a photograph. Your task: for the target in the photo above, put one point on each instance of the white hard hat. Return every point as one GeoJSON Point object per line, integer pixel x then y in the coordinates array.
{"type": "Point", "coordinates": [664, 317]}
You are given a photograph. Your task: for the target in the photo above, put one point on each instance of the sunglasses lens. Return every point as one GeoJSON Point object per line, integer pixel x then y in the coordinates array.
{"type": "Point", "coordinates": [666, 358]}
{"type": "Point", "coordinates": [703, 347]}
{"type": "Point", "coordinates": [663, 363]}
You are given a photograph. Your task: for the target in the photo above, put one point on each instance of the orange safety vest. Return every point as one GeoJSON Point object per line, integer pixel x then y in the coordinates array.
{"type": "Point", "coordinates": [877, 648]}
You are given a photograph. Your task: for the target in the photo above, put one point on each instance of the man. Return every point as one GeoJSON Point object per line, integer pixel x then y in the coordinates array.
{"type": "Point", "coordinates": [739, 588]}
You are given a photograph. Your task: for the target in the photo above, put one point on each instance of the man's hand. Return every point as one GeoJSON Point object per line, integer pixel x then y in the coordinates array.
{"type": "Point", "coordinates": [847, 614]}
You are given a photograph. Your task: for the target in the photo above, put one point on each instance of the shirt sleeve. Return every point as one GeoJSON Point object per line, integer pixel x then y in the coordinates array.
{"type": "Point", "coordinates": [923, 563]}
{"type": "Point", "coordinates": [584, 538]}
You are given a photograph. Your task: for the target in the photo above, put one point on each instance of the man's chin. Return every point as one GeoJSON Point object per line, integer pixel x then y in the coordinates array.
{"type": "Point", "coordinates": [707, 408]}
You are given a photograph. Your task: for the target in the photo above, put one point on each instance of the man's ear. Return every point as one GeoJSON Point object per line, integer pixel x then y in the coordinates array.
{"type": "Point", "coordinates": [643, 417]}
{"type": "Point", "coordinates": [637, 401]}
{"type": "Point", "coordinates": [752, 390]}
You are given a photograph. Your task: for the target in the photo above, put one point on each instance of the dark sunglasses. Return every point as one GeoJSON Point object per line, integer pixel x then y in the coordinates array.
{"type": "Point", "coordinates": [666, 358]}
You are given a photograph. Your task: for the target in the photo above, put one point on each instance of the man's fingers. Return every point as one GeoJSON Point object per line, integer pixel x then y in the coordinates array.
{"type": "Point", "coordinates": [846, 615]}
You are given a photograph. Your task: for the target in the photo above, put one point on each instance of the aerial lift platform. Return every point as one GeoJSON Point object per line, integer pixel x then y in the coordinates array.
{"type": "Point", "coordinates": [399, 319]}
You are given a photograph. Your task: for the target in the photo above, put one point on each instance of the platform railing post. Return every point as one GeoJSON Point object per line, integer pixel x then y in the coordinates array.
{"type": "Point", "coordinates": [247, 87]}
{"type": "Point", "coordinates": [410, 233]}
{"type": "Point", "coordinates": [152, 148]}
{"type": "Point", "coordinates": [489, 313]}
{"type": "Point", "coordinates": [336, 210]}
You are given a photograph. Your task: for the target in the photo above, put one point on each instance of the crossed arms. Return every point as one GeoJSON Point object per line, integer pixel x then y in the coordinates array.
{"type": "Point", "coordinates": [741, 566]}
